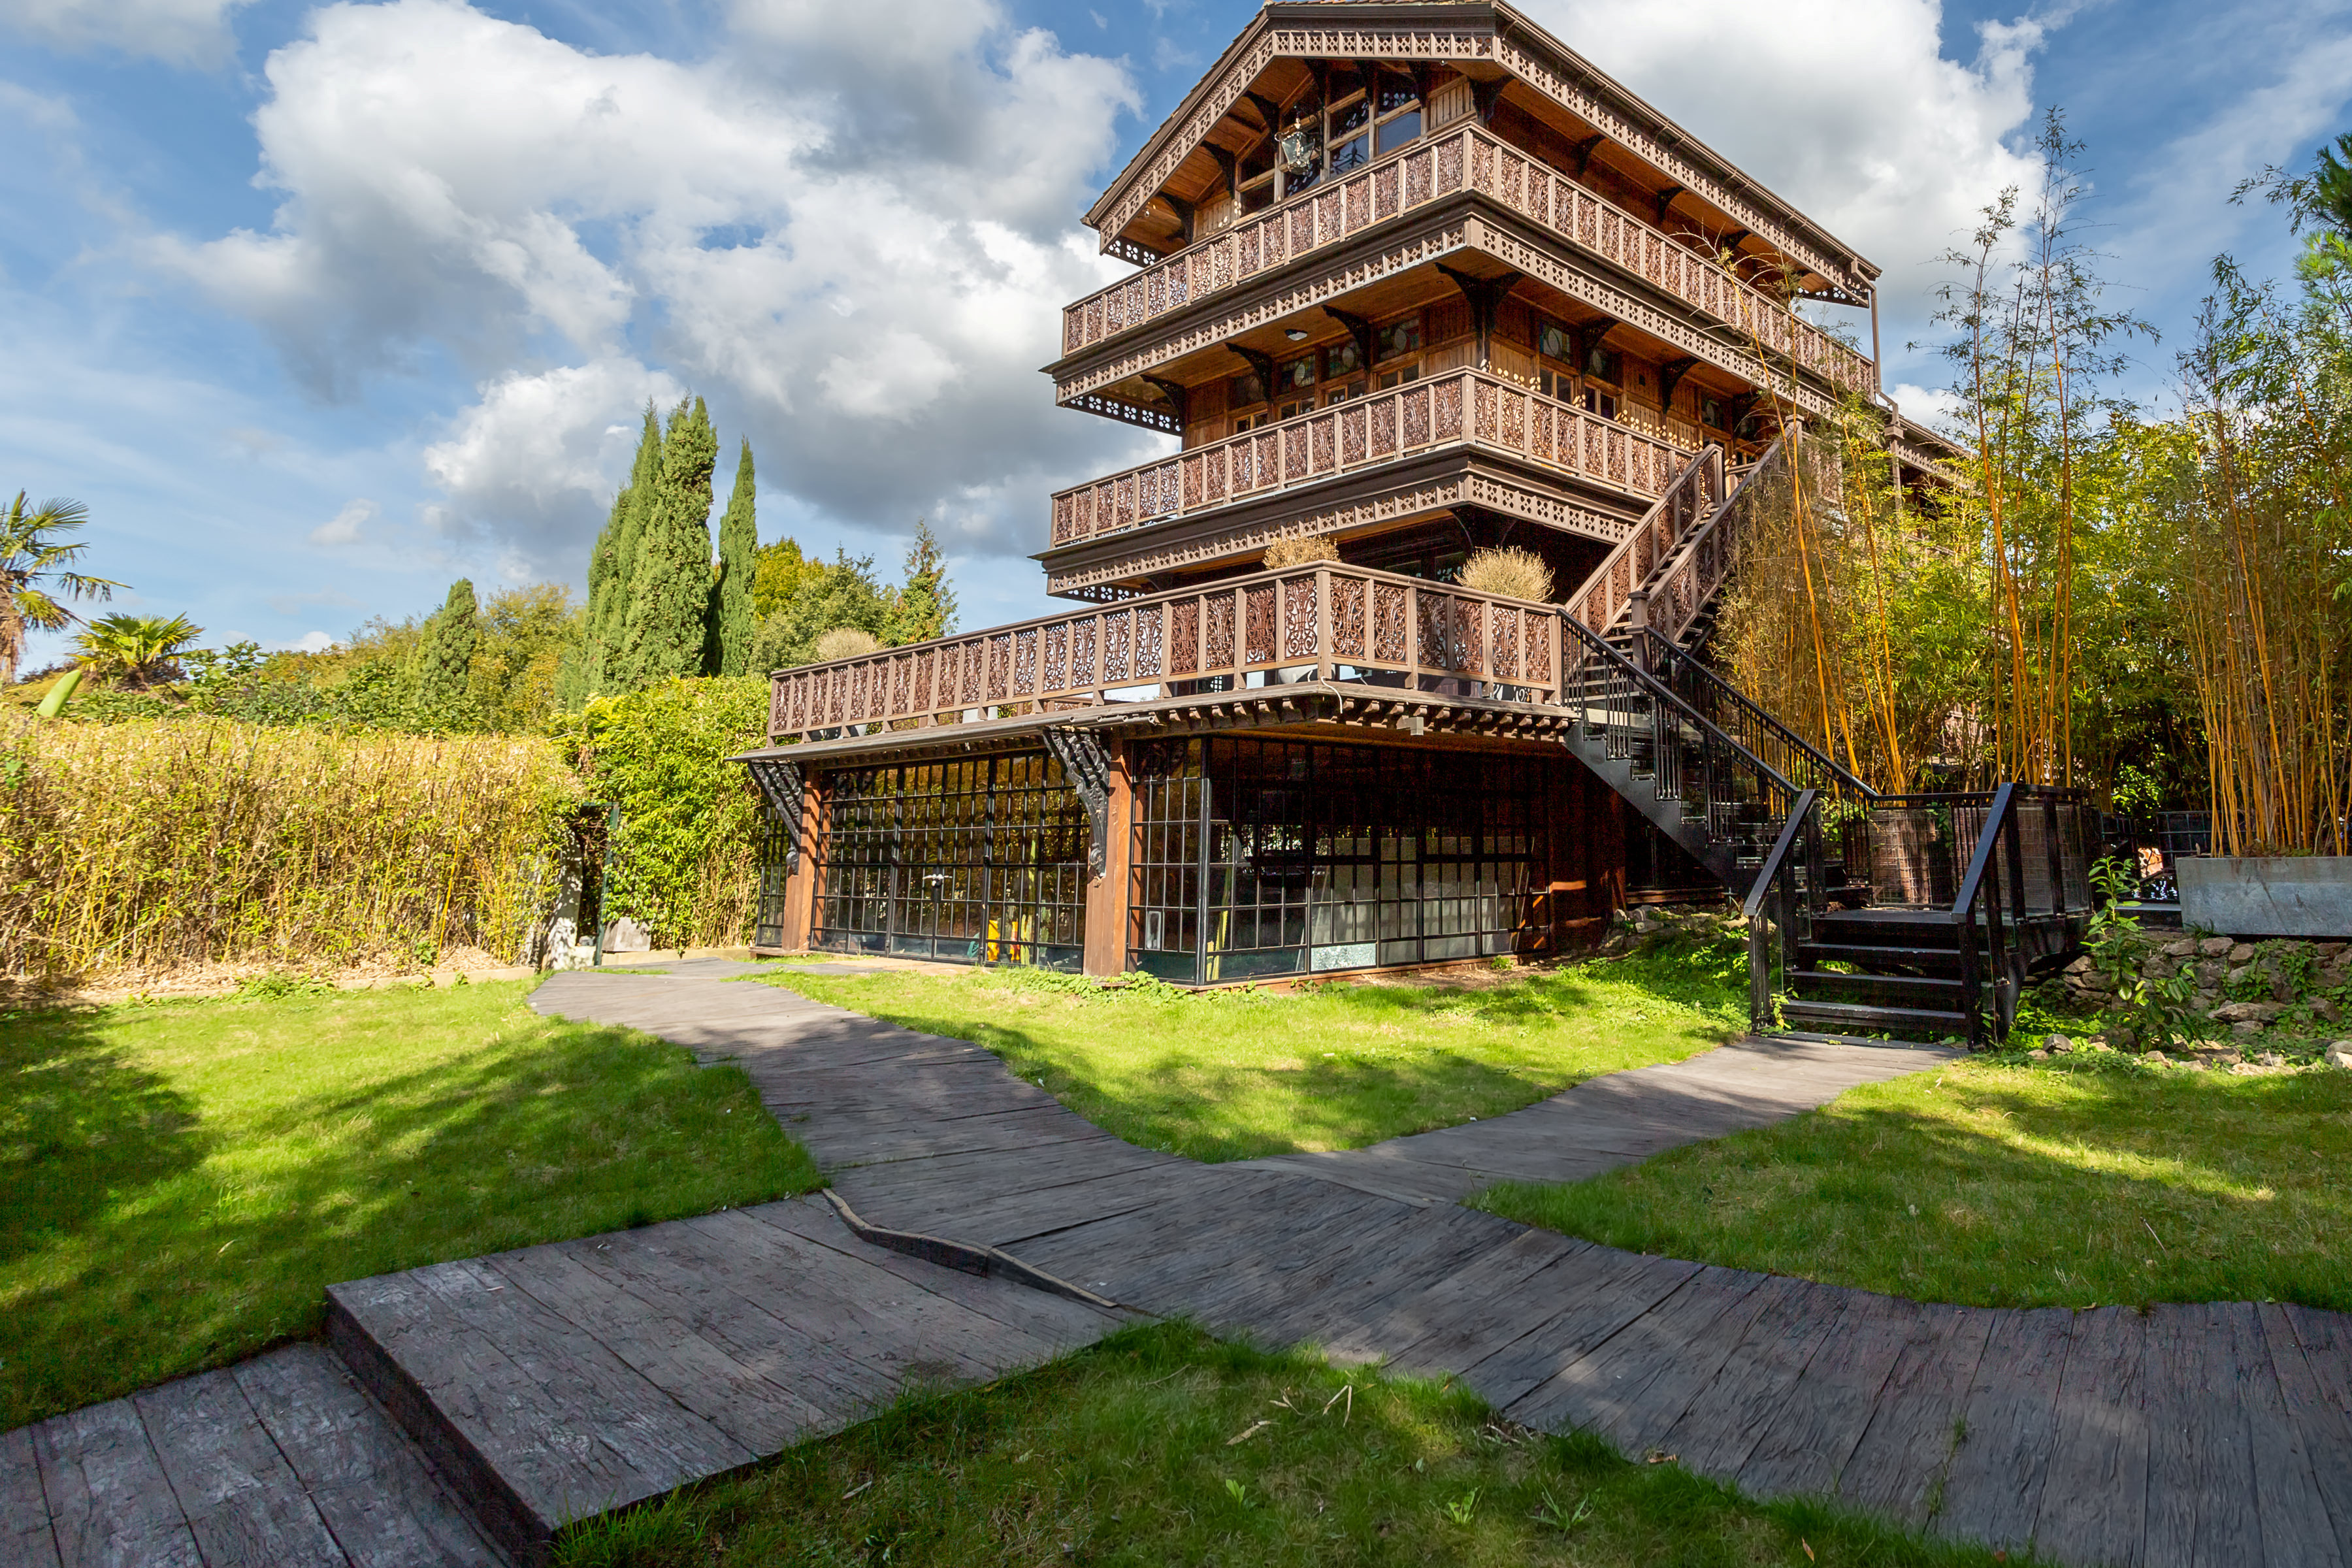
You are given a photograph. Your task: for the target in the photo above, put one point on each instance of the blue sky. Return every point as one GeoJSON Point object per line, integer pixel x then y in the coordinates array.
{"type": "Point", "coordinates": [320, 307]}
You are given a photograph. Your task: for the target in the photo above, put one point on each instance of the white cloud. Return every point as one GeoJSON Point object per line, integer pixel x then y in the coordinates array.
{"type": "Point", "coordinates": [183, 32]}
{"type": "Point", "coordinates": [851, 230]}
{"type": "Point", "coordinates": [537, 454]}
{"type": "Point", "coordinates": [344, 527]}
{"type": "Point", "coordinates": [311, 641]}
{"type": "Point", "coordinates": [1846, 108]}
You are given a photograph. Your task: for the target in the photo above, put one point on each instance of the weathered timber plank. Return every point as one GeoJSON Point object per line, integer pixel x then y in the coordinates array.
{"type": "Point", "coordinates": [109, 1503]}
{"type": "Point", "coordinates": [950, 1183]}
{"type": "Point", "coordinates": [1633, 1383]}
{"type": "Point", "coordinates": [243, 1502]}
{"type": "Point", "coordinates": [1593, 1293]}
{"type": "Point", "coordinates": [872, 1139]}
{"type": "Point", "coordinates": [26, 1538]}
{"type": "Point", "coordinates": [1896, 1468]}
{"type": "Point", "coordinates": [370, 1485]}
{"type": "Point", "coordinates": [2095, 1500]}
{"type": "Point", "coordinates": [2200, 1481]}
{"type": "Point", "coordinates": [1012, 1220]}
{"type": "Point", "coordinates": [1134, 1252]}
{"type": "Point", "coordinates": [1437, 1247]}
{"type": "Point", "coordinates": [636, 1326]}
{"type": "Point", "coordinates": [1764, 1374]}
{"type": "Point", "coordinates": [1303, 1270]}
{"type": "Point", "coordinates": [2302, 1344]}
{"type": "Point", "coordinates": [1993, 1488]}
{"type": "Point", "coordinates": [1805, 1445]}
{"type": "Point", "coordinates": [2289, 1507]}
{"type": "Point", "coordinates": [1296, 1225]}
{"type": "Point", "coordinates": [1060, 1321]}
{"type": "Point", "coordinates": [1452, 1307]}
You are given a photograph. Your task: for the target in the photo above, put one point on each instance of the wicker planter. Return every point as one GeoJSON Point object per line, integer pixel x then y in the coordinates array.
{"type": "Point", "coordinates": [2287, 895]}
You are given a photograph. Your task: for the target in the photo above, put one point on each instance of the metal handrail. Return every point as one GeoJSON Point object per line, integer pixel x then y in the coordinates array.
{"type": "Point", "coordinates": [1658, 691]}
{"type": "Point", "coordinates": [1683, 661]}
{"type": "Point", "coordinates": [1775, 866]}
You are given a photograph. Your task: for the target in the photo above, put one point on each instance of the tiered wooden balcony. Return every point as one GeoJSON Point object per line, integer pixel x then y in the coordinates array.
{"type": "Point", "coordinates": [1470, 409]}
{"type": "Point", "coordinates": [1318, 621]}
{"type": "Point", "coordinates": [1445, 164]}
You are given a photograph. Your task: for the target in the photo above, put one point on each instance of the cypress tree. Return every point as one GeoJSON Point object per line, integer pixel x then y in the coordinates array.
{"type": "Point", "coordinates": [729, 647]}
{"type": "Point", "coordinates": [611, 565]}
{"type": "Point", "coordinates": [446, 659]}
{"type": "Point", "coordinates": [662, 624]}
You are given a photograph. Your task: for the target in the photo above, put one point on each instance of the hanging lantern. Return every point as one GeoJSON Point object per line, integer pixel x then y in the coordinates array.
{"type": "Point", "coordinates": [1297, 150]}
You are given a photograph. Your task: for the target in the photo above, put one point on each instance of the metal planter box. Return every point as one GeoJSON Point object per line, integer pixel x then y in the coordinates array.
{"type": "Point", "coordinates": [2285, 895]}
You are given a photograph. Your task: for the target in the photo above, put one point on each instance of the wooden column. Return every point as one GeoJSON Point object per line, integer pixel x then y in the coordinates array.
{"type": "Point", "coordinates": [800, 888]}
{"type": "Point", "coordinates": [1106, 895]}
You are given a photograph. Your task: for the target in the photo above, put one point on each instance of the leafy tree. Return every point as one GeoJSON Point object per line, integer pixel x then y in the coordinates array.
{"type": "Point", "coordinates": [35, 555]}
{"type": "Point", "coordinates": [670, 586]}
{"type": "Point", "coordinates": [924, 606]}
{"type": "Point", "coordinates": [445, 667]}
{"type": "Point", "coordinates": [611, 565]}
{"type": "Point", "coordinates": [138, 651]}
{"type": "Point", "coordinates": [526, 634]}
{"type": "Point", "coordinates": [774, 579]}
{"type": "Point", "coordinates": [731, 620]}
{"type": "Point", "coordinates": [827, 595]}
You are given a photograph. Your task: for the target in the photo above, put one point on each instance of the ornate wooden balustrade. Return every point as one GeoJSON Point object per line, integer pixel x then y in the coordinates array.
{"type": "Point", "coordinates": [1474, 159]}
{"type": "Point", "coordinates": [1704, 558]}
{"type": "Point", "coordinates": [1320, 621]}
{"type": "Point", "coordinates": [1692, 495]}
{"type": "Point", "coordinates": [1469, 406]}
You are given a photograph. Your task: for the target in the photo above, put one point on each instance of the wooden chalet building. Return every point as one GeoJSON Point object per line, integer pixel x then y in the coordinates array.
{"type": "Point", "coordinates": [1419, 277]}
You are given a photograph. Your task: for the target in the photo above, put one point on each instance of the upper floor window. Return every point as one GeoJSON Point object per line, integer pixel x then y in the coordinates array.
{"type": "Point", "coordinates": [1398, 110]}
{"type": "Point", "coordinates": [1393, 340]}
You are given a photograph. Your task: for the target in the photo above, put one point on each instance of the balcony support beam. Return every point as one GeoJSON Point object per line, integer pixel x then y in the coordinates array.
{"type": "Point", "coordinates": [1179, 396]}
{"type": "Point", "coordinates": [1670, 375]}
{"type": "Point", "coordinates": [1585, 150]}
{"type": "Point", "coordinates": [1358, 329]}
{"type": "Point", "coordinates": [1261, 362]}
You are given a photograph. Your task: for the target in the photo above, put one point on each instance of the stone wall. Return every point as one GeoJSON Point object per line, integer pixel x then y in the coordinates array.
{"type": "Point", "coordinates": [2248, 989]}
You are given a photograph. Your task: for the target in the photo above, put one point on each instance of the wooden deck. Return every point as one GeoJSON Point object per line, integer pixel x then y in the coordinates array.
{"type": "Point", "coordinates": [557, 1382]}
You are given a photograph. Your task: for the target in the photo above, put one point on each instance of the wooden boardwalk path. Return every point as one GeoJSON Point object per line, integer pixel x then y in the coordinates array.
{"type": "Point", "coordinates": [557, 1382]}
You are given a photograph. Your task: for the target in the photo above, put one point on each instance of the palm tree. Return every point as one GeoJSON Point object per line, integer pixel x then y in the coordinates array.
{"type": "Point", "coordinates": [138, 651]}
{"type": "Point", "coordinates": [34, 556]}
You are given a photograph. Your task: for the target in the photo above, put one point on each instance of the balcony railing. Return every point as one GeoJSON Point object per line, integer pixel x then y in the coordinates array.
{"type": "Point", "coordinates": [1477, 160]}
{"type": "Point", "coordinates": [1469, 406]}
{"type": "Point", "coordinates": [1320, 621]}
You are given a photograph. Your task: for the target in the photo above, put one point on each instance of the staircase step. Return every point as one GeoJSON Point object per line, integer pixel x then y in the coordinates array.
{"type": "Point", "coordinates": [1887, 928]}
{"type": "Point", "coordinates": [1812, 954]}
{"type": "Point", "coordinates": [1856, 1016]}
{"type": "Point", "coordinates": [1933, 991]}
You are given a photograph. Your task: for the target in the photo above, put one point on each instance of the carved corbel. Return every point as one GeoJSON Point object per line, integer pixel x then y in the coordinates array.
{"type": "Point", "coordinates": [1670, 375]}
{"type": "Point", "coordinates": [1179, 396]}
{"type": "Point", "coordinates": [1261, 362]}
{"type": "Point", "coordinates": [1485, 95]}
{"type": "Point", "coordinates": [1485, 296]}
{"type": "Point", "coordinates": [1358, 329]}
{"type": "Point", "coordinates": [1665, 199]}
{"type": "Point", "coordinates": [1585, 150]}
{"type": "Point", "coordinates": [781, 786]}
{"type": "Point", "coordinates": [1086, 763]}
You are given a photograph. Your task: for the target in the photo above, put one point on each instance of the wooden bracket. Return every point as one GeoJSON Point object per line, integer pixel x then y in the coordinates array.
{"type": "Point", "coordinates": [1670, 375]}
{"type": "Point", "coordinates": [783, 787]}
{"type": "Point", "coordinates": [1585, 150]}
{"type": "Point", "coordinates": [1086, 763]}
{"type": "Point", "coordinates": [1665, 199]}
{"type": "Point", "coordinates": [1485, 296]}
{"type": "Point", "coordinates": [1358, 329]}
{"type": "Point", "coordinates": [1586, 337]}
{"type": "Point", "coordinates": [1178, 395]}
{"type": "Point", "coordinates": [1261, 362]}
{"type": "Point", "coordinates": [1485, 95]}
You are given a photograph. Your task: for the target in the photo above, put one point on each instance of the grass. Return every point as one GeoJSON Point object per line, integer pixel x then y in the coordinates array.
{"type": "Point", "coordinates": [1161, 1445]}
{"type": "Point", "coordinates": [1232, 1075]}
{"type": "Point", "coordinates": [183, 1180]}
{"type": "Point", "coordinates": [2002, 1185]}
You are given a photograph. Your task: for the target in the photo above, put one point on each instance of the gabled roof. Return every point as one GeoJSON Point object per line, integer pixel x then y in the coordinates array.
{"type": "Point", "coordinates": [1472, 33]}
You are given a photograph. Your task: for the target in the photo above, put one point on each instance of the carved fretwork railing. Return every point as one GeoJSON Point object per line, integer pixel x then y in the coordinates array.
{"type": "Point", "coordinates": [1690, 498]}
{"type": "Point", "coordinates": [1326, 621]}
{"type": "Point", "coordinates": [1460, 406]}
{"type": "Point", "coordinates": [1704, 560]}
{"type": "Point", "coordinates": [1473, 159]}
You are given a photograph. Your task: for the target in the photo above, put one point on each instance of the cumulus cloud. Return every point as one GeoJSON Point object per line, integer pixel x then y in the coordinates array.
{"type": "Point", "coordinates": [851, 230]}
{"type": "Point", "coordinates": [1848, 108]}
{"type": "Point", "coordinates": [344, 527]}
{"type": "Point", "coordinates": [181, 32]}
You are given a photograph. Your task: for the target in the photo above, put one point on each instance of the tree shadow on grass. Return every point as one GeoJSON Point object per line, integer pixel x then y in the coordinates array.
{"type": "Point", "coordinates": [228, 1238]}
{"type": "Point", "coordinates": [83, 1130]}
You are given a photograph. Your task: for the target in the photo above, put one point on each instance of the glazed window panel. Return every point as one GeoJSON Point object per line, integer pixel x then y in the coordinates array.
{"type": "Point", "coordinates": [978, 860]}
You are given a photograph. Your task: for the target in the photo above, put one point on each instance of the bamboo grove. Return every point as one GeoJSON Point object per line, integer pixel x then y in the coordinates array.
{"type": "Point", "coordinates": [2149, 599]}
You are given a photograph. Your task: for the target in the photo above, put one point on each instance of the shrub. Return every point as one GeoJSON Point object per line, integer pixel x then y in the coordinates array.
{"type": "Point", "coordinates": [201, 839]}
{"type": "Point", "coordinates": [844, 642]}
{"type": "Point", "coordinates": [1513, 573]}
{"type": "Point", "coordinates": [1301, 551]}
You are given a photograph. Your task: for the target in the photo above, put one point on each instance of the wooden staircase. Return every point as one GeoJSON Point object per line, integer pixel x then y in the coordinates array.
{"type": "Point", "coordinates": [1868, 914]}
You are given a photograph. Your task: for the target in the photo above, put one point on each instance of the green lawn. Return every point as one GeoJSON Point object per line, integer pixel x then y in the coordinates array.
{"type": "Point", "coordinates": [2073, 1184]}
{"type": "Point", "coordinates": [1231, 1075]}
{"type": "Point", "coordinates": [183, 1180]}
{"type": "Point", "coordinates": [1126, 1454]}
